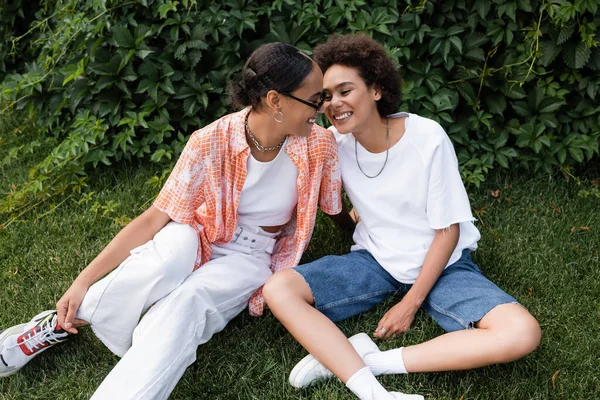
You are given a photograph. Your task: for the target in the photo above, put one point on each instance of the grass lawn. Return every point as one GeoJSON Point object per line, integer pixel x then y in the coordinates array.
{"type": "Point", "coordinates": [540, 243]}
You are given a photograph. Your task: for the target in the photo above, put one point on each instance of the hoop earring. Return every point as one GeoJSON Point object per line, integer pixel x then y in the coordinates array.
{"type": "Point", "coordinates": [275, 116]}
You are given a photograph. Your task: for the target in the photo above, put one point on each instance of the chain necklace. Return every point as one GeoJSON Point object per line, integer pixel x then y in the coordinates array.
{"type": "Point", "coordinates": [387, 151]}
{"type": "Point", "coordinates": [259, 146]}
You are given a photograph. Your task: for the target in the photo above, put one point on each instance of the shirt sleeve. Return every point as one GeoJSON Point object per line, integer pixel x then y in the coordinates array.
{"type": "Point", "coordinates": [182, 194]}
{"type": "Point", "coordinates": [447, 199]}
{"type": "Point", "coordinates": [330, 196]}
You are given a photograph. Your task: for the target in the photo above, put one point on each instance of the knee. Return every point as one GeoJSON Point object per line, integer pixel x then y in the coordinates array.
{"type": "Point", "coordinates": [176, 248]}
{"type": "Point", "coordinates": [528, 335]}
{"type": "Point", "coordinates": [284, 286]}
{"type": "Point", "coordinates": [521, 338]}
{"type": "Point", "coordinates": [182, 242]}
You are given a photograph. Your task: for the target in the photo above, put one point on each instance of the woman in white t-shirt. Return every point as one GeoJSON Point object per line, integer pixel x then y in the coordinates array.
{"type": "Point", "coordinates": [414, 237]}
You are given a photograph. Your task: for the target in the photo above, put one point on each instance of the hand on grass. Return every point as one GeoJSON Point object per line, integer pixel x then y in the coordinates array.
{"type": "Point", "coordinates": [397, 320]}
{"type": "Point", "coordinates": [68, 305]}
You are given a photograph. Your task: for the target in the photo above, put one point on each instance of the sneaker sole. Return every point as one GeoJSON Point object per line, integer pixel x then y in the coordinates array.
{"type": "Point", "coordinates": [299, 371]}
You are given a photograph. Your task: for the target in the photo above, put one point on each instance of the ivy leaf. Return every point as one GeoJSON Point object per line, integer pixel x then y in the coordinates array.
{"type": "Point", "coordinates": [466, 90]}
{"type": "Point", "coordinates": [496, 103]}
{"type": "Point", "coordinates": [513, 91]}
{"type": "Point", "coordinates": [595, 59]}
{"type": "Point", "coordinates": [180, 52]}
{"type": "Point", "coordinates": [501, 139]}
{"type": "Point", "coordinates": [521, 108]}
{"type": "Point", "coordinates": [189, 105]}
{"type": "Point", "coordinates": [562, 156]}
{"type": "Point", "coordinates": [577, 56]}
{"type": "Point", "coordinates": [149, 70]}
{"type": "Point", "coordinates": [475, 40]}
{"type": "Point", "coordinates": [483, 8]}
{"type": "Point", "coordinates": [576, 153]}
{"type": "Point", "coordinates": [549, 52]}
{"type": "Point", "coordinates": [565, 33]}
{"type": "Point", "coordinates": [455, 30]}
{"type": "Point", "coordinates": [144, 53]}
{"type": "Point", "coordinates": [194, 57]}
{"type": "Point", "coordinates": [549, 104]}
{"type": "Point", "coordinates": [123, 37]}
{"type": "Point", "coordinates": [383, 29]}
{"type": "Point", "coordinates": [129, 74]}
{"type": "Point", "coordinates": [456, 43]}
{"type": "Point", "coordinates": [525, 5]}
{"type": "Point", "coordinates": [475, 54]}
{"type": "Point", "coordinates": [167, 86]}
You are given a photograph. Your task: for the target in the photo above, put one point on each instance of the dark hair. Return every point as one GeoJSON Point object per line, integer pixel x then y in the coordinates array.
{"type": "Point", "coordinates": [369, 58]}
{"type": "Point", "coordinates": [272, 66]}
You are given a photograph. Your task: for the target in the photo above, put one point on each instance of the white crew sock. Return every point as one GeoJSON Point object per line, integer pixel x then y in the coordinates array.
{"type": "Point", "coordinates": [364, 385]}
{"type": "Point", "coordinates": [386, 362]}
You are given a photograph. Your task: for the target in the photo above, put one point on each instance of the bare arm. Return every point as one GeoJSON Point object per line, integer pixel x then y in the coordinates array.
{"type": "Point", "coordinates": [136, 233]}
{"type": "Point", "coordinates": [399, 318]}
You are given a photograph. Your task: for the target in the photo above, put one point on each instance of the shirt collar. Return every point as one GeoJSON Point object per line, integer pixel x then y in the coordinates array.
{"type": "Point", "coordinates": [237, 140]}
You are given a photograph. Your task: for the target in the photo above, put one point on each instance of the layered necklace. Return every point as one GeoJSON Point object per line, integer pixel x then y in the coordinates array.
{"type": "Point", "coordinates": [259, 146]}
{"type": "Point", "coordinates": [387, 151]}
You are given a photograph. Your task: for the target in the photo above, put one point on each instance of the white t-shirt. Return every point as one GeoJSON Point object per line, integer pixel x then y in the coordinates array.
{"type": "Point", "coordinates": [270, 192]}
{"type": "Point", "coordinates": [418, 191]}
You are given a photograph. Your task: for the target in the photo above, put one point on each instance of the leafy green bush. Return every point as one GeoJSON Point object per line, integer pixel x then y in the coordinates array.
{"type": "Point", "coordinates": [512, 81]}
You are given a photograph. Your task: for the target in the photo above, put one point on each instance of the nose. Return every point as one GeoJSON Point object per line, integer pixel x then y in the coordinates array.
{"type": "Point", "coordinates": [335, 101]}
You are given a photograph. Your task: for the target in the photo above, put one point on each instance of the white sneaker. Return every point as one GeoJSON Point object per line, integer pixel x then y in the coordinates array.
{"type": "Point", "coordinates": [308, 371]}
{"type": "Point", "coordinates": [402, 396]}
{"type": "Point", "coordinates": [20, 343]}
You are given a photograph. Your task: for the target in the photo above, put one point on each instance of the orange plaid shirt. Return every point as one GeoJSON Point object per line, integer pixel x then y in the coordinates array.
{"type": "Point", "coordinates": [204, 189]}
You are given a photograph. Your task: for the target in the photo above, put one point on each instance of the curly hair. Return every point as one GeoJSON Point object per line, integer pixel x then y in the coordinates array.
{"type": "Point", "coordinates": [369, 58]}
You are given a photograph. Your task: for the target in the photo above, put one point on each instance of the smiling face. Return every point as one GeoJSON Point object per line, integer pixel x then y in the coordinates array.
{"type": "Point", "coordinates": [299, 118]}
{"type": "Point", "coordinates": [352, 103]}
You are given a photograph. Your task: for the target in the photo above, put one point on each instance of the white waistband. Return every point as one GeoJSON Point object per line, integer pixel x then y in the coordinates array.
{"type": "Point", "coordinates": [255, 238]}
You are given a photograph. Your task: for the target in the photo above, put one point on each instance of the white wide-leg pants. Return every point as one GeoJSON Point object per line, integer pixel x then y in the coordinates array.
{"type": "Point", "coordinates": [187, 307]}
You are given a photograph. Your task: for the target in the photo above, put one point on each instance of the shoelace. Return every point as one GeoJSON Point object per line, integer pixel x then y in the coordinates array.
{"type": "Point", "coordinates": [45, 334]}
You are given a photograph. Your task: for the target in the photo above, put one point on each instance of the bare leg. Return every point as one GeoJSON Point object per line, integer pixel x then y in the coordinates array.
{"type": "Point", "coordinates": [507, 333]}
{"type": "Point", "coordinates": [291, 301]}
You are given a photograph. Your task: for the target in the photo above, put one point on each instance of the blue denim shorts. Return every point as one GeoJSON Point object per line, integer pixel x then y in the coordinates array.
{"type": "Point", "coordinates": [346, 285]}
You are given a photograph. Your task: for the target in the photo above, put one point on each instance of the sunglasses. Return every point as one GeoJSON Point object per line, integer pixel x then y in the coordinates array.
{"type": "Point", "coordinates": [317, 106]}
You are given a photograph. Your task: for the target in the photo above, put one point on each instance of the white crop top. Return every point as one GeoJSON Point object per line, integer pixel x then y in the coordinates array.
{"type": "Point", "coordinates": [270, 192]}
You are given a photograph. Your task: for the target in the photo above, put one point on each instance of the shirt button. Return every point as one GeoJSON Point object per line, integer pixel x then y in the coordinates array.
{"type": "Point", "coordinates": [253, 240]}
{"type": "Point", "coordinates": [246, 238]}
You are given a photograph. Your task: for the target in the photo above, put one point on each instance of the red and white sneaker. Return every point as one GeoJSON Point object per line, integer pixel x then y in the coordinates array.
{"type": "Point", "coordinates": [20, 343]}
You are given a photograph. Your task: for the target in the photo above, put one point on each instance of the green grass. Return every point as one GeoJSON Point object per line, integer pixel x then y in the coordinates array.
{"type": "Point", "coordinates": [528, 248]}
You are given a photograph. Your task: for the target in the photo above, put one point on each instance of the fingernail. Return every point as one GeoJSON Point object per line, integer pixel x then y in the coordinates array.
{"type": "Point", "coordinates": [68, 325]}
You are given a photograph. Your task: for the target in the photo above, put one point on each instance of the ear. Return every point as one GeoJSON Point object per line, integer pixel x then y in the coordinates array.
{"type": "Point", "coordinates": [376, 92]}
{"type": "Point", "coordinates": [273, 100]}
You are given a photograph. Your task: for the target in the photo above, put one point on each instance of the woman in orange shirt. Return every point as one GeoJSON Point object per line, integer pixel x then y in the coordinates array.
{"type": "Point", "coordinates": [239, 205]}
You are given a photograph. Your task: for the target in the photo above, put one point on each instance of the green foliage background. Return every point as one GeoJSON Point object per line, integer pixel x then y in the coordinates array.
{"type": "Point", "coordinates": [514, 82]}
